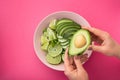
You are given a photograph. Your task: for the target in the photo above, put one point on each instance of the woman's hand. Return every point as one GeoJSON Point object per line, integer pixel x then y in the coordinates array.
{"type": "Point", "coordinates": [73, 68]}
{"type": "Point", "coordinates": [107, 45]}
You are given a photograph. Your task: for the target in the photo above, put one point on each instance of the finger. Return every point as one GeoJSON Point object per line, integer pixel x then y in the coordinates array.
{"type": "Point", "coordinates": [66, 58]}
{"type": "Point", "coordinates": [97, 48]}
{"type": "Point", "coordinates": [83, 58]}
{"type": "Point", "coordinates": [78, 62]}
{"type": "Point", "coordinates": [96, 32]}
{"type": "Point", "coordinates": [71, 60]}
{"type": "Point", "coordinates": [67, 62]}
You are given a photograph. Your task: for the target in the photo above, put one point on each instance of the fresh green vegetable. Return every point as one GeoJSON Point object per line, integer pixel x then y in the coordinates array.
{"type": "Point", "coordinates": [44, 39]}
{"type": "Point", "coordinates": [56, 38]}
{"type": "Point", "coordinates": [54, 50]}
{"type": "Point", "coordinates": [64, 20]}
{"type": "Point", "coordinates": [52, 24]}
{"type": "Point", "coordinates": [51, 34]}
{"type": "Point", "coordinates": [53, 60]}
{"type": "Point", "coordinates": [45, 46]}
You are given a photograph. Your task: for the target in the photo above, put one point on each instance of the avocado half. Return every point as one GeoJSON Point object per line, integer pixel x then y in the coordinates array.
{"type": "Point", "coordinates": [76, 50]}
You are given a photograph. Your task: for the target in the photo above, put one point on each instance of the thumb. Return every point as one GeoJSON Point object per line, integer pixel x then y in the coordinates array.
{"type": "Point", "coordinates": [78, 62]}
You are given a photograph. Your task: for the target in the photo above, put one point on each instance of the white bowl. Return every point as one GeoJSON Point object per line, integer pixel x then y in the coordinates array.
{"type": "Point", "coordinates": [44, 23]}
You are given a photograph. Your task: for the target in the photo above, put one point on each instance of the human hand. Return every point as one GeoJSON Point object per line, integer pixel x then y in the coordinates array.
{"type": "Point", "coordinates": [107, 45]}
{"type": "Point", "coordinates": [73, 68]}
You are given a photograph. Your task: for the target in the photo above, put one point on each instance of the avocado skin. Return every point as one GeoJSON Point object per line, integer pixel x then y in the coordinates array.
{"type": "Point", "coordinates": [78, 51]}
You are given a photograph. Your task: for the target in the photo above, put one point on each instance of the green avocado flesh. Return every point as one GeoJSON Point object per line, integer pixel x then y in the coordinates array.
{"type": "Point", "coordinates": [73, 50]}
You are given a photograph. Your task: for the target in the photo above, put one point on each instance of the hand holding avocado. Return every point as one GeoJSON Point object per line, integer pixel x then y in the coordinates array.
{"type": "Point", "coordinates": [107, 45]}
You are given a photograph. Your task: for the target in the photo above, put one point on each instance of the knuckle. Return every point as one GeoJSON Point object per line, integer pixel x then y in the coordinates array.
{"type": "Point", "coordinates": [93, 29]}
{"type": "Point", "coordinates": [66, 73]}
{"type": "Point", "coordinates": [107, 34]}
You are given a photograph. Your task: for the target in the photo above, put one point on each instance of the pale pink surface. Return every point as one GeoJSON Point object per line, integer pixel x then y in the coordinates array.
{"type": "Point", "coordinates": [18, 20]}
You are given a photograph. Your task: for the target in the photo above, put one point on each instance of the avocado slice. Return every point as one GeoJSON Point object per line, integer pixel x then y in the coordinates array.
{"type": "Point", "coordinates": [79, 42]}
{"type": "Point", "coordinates": [64, 25]}
{"type": "Point", "coordinates": [64, 20]}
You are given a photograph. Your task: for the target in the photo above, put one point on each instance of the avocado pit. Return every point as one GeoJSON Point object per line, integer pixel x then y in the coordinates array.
{"type": "Point", "coordinates": [80, 41]}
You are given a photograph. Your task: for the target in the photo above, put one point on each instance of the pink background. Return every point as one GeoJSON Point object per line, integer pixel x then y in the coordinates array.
{"type": "Point", "coordinates": [18, 20]}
